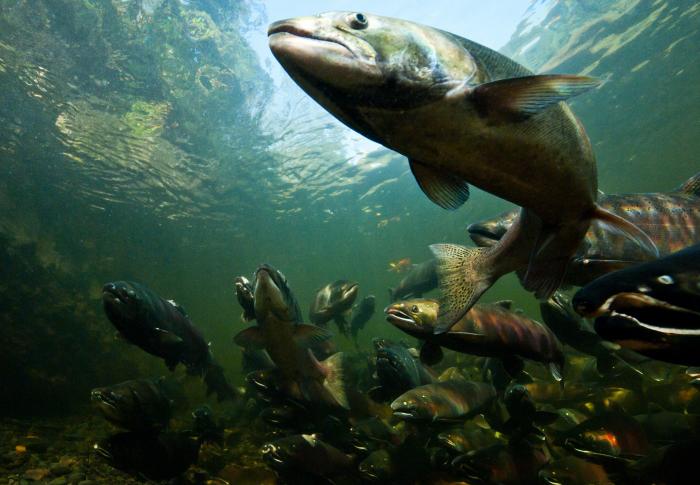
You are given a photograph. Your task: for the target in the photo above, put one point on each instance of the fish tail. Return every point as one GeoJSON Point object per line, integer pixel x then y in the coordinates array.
{"type": "Point", "coordinates": [620, 225]}
{"type": "Point", "coordinates": [462, 278]}
{"type": "Point", "coordinates": [392, 292]}
{"type": "Point", "coordinates": [335, 379]}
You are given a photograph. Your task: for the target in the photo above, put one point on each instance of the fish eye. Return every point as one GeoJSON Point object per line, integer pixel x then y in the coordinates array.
{"type": "Point", "coordinates": [665, 279]}
{"type": "Point", "coordinates": [358, 21]}
{"type": "Point", "coordinates": [414, 309]}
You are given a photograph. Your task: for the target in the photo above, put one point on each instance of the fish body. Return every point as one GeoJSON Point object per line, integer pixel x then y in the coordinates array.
{"type": "Point", "coordinates": [162, 328]}
{"type": "Point", "coordinates": [421, 278]}
{"type": "Point", "coordinates": [462, 114]}
{"type": "Point", "coordinates": [608, 439]}
{"type": "Point", "coordinates": [334, 302]}
{"type": "Point", "coordinates": [155, 456]}
{"type": "Point", "coordinates": [490, 330]}
{"type": "Point", "coordinates": [444, 401]}
{"type": "Point", "coordinates": [670, 219]}
{"type": "Point", "coordinates": [652, 308]}
{"type": "Point", "coordinates": [136, 405]}
{"type": "Point", "coordinates": [288, 342]}
{"type": "Point", "coordinates": [361, 315]}
{"type": "Point", "coordinates": [513, 463]}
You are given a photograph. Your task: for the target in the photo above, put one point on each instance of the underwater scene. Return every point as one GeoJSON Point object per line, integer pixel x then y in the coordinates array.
{"type": "Point", "coordinates": [268, 242]}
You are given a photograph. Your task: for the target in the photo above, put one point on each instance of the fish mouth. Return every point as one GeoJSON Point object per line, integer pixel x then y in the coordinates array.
{"type": "Point", "coordinates": [102, 451]}
{"type": "Point", "coordinates": [301, 31]}
{"type": "Point", "coordinates": [482, 235]}
{"type": "Point", "coordinates": [272, 455]}
{"type": "Point", "coordinates": [398, 317]}
{"type": "Point", "coordinates": [103, 398]}
{"type": "Point", "coordinates": [645, 311]}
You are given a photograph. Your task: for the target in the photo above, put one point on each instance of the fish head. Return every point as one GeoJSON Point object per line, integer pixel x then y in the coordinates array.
{"type": "Point", "coordinates": [286, 452]}
{"type": "Point", "coordinates": [395, 364]}
{"type": "Point", "coordinates": [273, 297]}
{"type": "Point", "coordinates": [488, 232]}
{"type": "Point", "coordinates": [123, 301]}
{"type": "Point", "coordinates": [344, 293]}
{"type": "Point", "coordinates": [244, 289]}
{"type": "Point", "coordinates": [415, 317]}
{"type": "Point", "coordinates": [415, 404]}
{"type": "Point", "coordinates": [674, 279]}
{"type": "Point", "coordinates": [377, 466]}
{"type": "Point", "coordinates": [351, 60]}
{"type": "Point", "coordinates": [642, 323]}
{"type": "Point", "coordinates": [113, 402]}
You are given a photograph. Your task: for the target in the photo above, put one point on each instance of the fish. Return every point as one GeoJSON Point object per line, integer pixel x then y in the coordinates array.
{"type": "Point", "coordinates": [378, 466]}
{"type": "Point", "coordinates": [490, 330]}
{"type": "Point", "coordinates": [652, 308]}
{"type": "Point", "coordinates": [574, 471]}
{"type": "Point", "coordinates": [205, 426]}
{"type": "Point", "coordinates": [400, 265]}
{"type": "Point", "coordinates": [611, 439]}
{"type": "Point", "coordinates": [671, 465]}
{"type": "Point", "coordinates": [558, 314]}
{"type": "Point", "coordinates": [244, 295]}
{"type": "Point", "coordinates": [444, 401]}
{"type": "Point", "coordinates": [334, 302]}
{"type": "Point", "coordinates": [663, 426]}
{"type": "Point", "coordinates": [420, 279]}
{"type": "Point", "coordinates": [288, 343]}
{"type": "Point", "coordinates": [462, 440]}
{"type": "Point", "coordinates": [398, 370]}
{"type": "Point", "coordinates": [162, 328]}
{"type": "Point", "coordinates": [671, 219]}
{"type": "Point", "coordinates": [308, 454]}
{"type": "Point", "coordinates": [503, 463]}
{"type": "Point", "coordinates": [361, 314]}
{"type": "Point", "coordinates": [155, 456]}
{"type": "Point", "coordinates": [525, 421]}
{"type": "Point", "coordinates": [135, 405]}
{"type": "Point", "coordinates": [462, 114]}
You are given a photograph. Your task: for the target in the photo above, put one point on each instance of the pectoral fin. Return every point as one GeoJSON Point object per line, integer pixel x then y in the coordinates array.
{"type": "Point", "coordinates": [445, 189]}
{"type": "Point", "coordinates": [307, 336]}
{"type": "Point", "coordinates": [167, 339]}
{"type": "Point", "coordinates": [250, 338]}
{"type": "Point", "coordinates": [517, 99]}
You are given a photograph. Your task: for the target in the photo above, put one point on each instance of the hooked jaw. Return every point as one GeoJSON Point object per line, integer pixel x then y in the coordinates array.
{"type": "Point", "coordinates": [320, 48]}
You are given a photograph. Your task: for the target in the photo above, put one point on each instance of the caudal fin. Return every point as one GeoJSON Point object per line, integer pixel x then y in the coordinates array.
{"type": "Point", "coordinates": [462, 278]}
{"type": "Point", "coordinates": [216, 382]}
{"type": "Point", "coordinates": [335, 381]}
{"type": "Point", "coordinates": [547, 266]}
{"type": "Point", "coordinates": [620, 225]}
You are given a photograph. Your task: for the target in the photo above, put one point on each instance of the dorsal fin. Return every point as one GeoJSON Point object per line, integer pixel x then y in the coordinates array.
{"type": "Point", "coordinates": [691, 186]}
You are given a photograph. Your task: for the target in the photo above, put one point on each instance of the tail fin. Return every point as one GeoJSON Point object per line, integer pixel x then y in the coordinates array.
{"type": "Point", "coordinates": [691, 186]}
{"type": "Point", "coordinates": [547, 265]}
{"type": "Point", "coordinates": [216, 382]}
{"type": "Point", "coordinates": [462, 278]}
{"type": "Point", "coordinates": [620, 225]}
{"type": "Point", "coordinates": [334, 381]}
{"type": "Point", "coordinates": [392, 292]}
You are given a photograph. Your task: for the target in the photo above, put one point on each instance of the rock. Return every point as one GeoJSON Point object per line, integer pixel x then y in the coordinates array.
{"type": "Point", "coordinates": [87, 482]}
{"type": "Point", "coordinates": [59, 481]}
{"type": "Point", "coordinates": [37, 474]}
